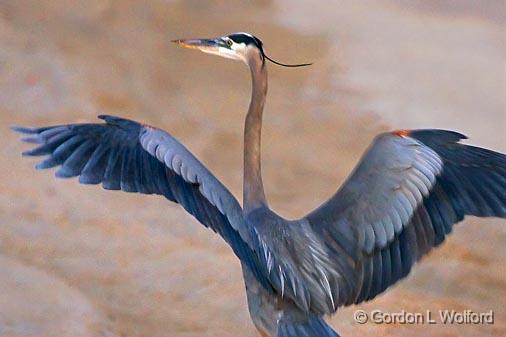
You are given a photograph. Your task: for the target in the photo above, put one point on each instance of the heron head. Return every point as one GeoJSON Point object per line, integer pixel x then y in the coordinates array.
{"type": "Point", "coordinates": [236, 46]}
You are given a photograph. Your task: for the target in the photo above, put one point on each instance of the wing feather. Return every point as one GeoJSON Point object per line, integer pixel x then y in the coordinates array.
{"type": "Point", "coordinates": [126, 155]}
{"type": "Point", "coordinates": [402, 199]}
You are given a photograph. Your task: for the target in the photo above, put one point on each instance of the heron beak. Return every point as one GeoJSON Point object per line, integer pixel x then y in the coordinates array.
{"type": "Point", "coordinates": [205, 45]}
{"type": "Point", "coordinates": [216, 46]}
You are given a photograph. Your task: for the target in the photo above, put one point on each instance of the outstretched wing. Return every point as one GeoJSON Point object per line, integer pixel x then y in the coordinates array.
{"type": "Point", "coordinates": [402, 199]}
{"type": "Point", "coordinates": [124, 155]}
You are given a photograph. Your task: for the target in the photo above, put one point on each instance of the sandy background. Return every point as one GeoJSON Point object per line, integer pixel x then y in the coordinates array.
{"type": "Point", "coordinates": [79, 261]}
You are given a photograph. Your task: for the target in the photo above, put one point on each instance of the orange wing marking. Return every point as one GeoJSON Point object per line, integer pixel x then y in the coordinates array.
{"type": "Point", "coordinates": [401, 133]}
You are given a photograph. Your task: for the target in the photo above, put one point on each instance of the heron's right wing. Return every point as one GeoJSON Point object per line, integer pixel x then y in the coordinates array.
{"type": "Point", "coordinates": [125, 155]}
{"type": "Point", "coordinates": [402, 199]}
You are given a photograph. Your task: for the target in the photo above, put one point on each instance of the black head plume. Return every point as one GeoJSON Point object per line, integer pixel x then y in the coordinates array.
{"type": "Point", "coordinates": [284, 64]}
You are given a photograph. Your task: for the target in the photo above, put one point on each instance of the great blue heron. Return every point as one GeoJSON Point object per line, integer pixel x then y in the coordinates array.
{"type": "Point", "coordinates": [402, 200]}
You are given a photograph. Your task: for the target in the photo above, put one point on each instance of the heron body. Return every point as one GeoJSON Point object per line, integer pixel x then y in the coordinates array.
{"type": "Point", "coordinates": [402, 199]}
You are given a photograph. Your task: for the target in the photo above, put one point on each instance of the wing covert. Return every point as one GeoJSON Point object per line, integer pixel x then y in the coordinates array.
{"type": "Point", "coordinates": [402, 199]}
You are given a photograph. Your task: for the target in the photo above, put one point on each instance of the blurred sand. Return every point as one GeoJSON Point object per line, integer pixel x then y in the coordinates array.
{"type": "Point", "coordinates": [80, 261]}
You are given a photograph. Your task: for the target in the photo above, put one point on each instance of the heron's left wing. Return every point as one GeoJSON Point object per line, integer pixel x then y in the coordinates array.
{"type": "Point", "coordinates": [122, 154]}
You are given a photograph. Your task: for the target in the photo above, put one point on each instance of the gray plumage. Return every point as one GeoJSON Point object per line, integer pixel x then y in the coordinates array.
{"type": "Point", "coordinates": [402, 199]}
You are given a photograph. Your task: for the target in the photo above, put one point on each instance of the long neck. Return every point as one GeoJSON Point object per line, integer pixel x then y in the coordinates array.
{"type": "Point", "coordinates": [253, 188]}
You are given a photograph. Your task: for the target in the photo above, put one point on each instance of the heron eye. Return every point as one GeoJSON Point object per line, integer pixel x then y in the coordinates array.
{"type": "Point", "coordinates": [229, 43]}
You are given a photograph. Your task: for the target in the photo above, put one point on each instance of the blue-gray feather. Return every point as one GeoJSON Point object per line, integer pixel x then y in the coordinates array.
{"type": "Point", "coordinates": [402, 200]}
{"type": "Point", "coordinates": [125, 155]}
